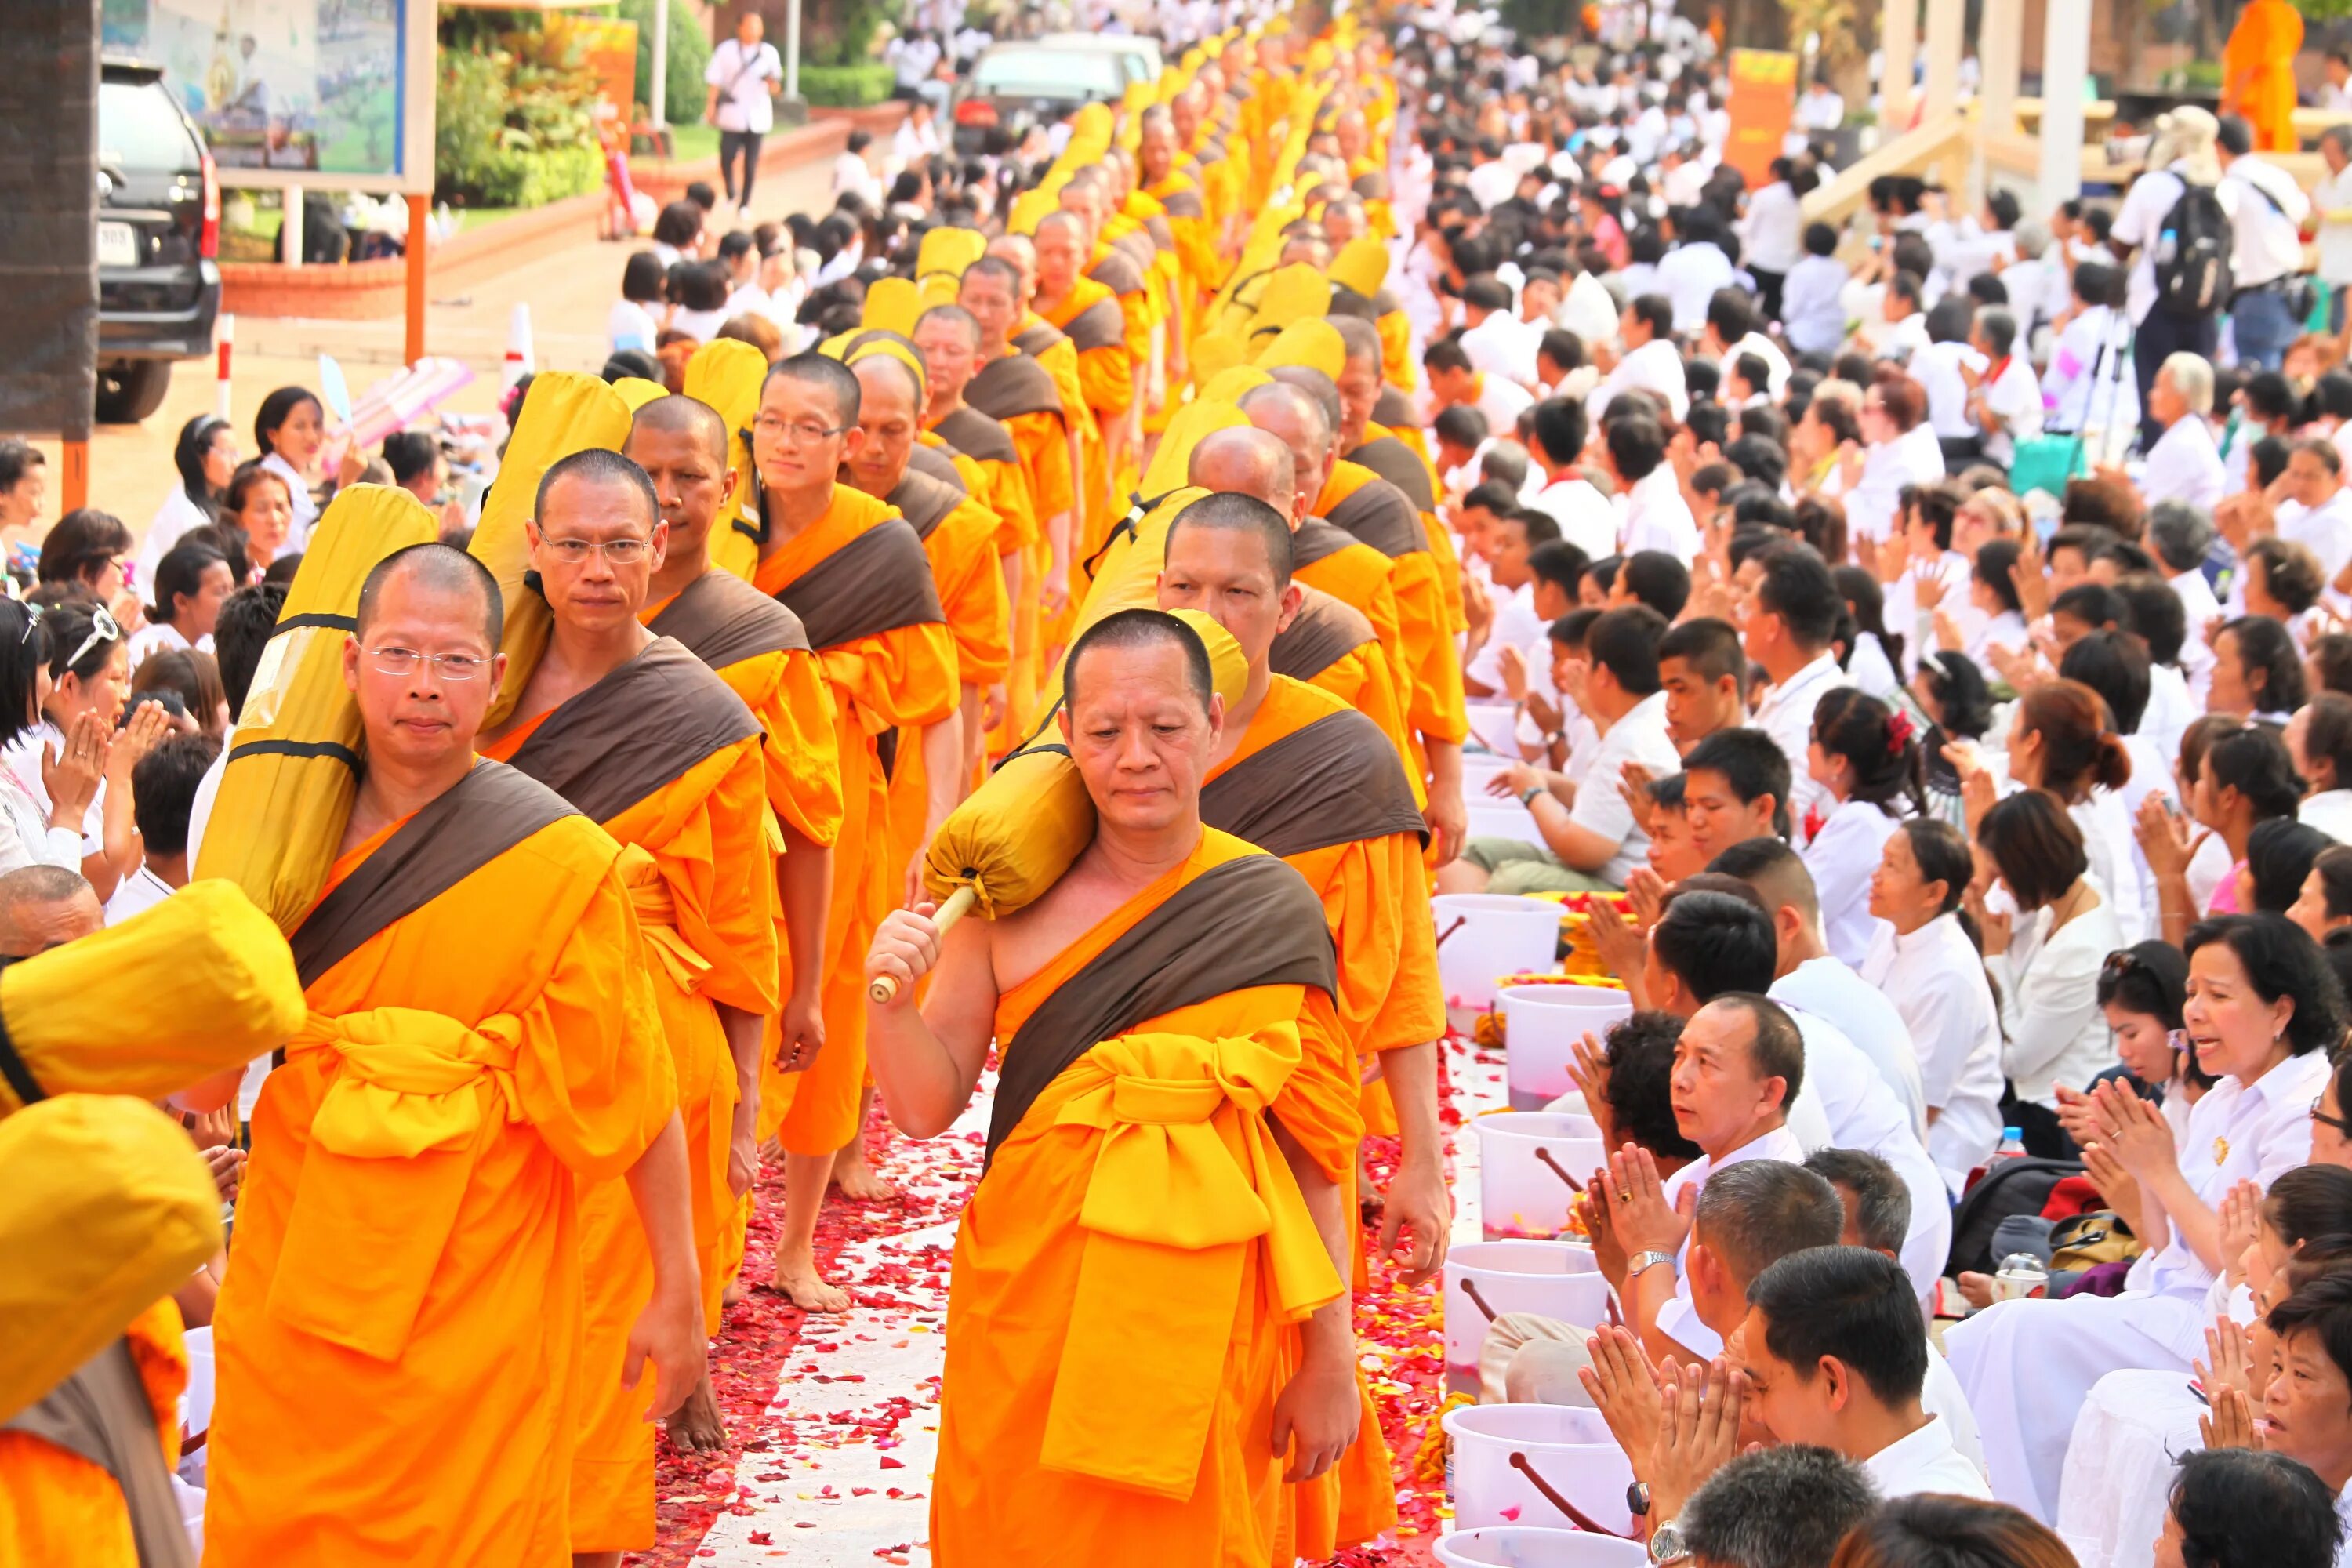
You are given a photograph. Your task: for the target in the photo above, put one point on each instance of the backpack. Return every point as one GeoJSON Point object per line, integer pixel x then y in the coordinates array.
{"type": "Point", "coordinates": [2010, 1187]}
{"type": "Point", "coordinates": [2192, 254]}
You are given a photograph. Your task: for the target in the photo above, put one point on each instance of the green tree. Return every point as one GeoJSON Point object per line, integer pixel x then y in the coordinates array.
{"type": "Point", "coordinates": [690, 56]}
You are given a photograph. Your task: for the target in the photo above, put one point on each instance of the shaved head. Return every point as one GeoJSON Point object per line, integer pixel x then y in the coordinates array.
{"type": "Point", "coordinates": [1061, 219]}
{"type": "Point", "coordinates": [1361, 338]}
{"type": "Point", "coordinates": [1248, 461]}
{"type": "Point", "coordinates": [440, 569]}
{"type": "Point", "coordinates": [823, 373]}
{"type": "Point", "coordinates": [1315, 384]}
{"type": "Point", "coordinates": [956, 314]}
{"type": "Point", "coordinates": [1291, 416]}
{"type": "Point", "coordinates": [678, 414]}
{"type": "Point", "coordinates": [1128, 630]}
{"type": "Point", "coordinates": [1238, 514]}
{"type": "Point", "coordinates": [42, 907]}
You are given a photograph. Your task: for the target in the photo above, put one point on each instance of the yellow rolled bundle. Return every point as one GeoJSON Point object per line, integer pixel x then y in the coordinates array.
{"type": "Point", "coordinates": [728, 375]}
{"type": "Point", "coordinates": [294, 758]}
{"type": "Point", "coordinates": [107, 1209]}
{"type": "Point", "coordinates": [199, 983]}
{"type": "Point", "coordinates": [564, 413]}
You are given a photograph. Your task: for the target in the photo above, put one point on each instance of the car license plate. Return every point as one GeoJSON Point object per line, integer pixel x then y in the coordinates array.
{"type": "Point", "coordinates": [118, 244]}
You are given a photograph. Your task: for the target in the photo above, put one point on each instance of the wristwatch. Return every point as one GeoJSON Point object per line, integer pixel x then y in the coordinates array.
{"type": "Point", "coordinates": [1637, 1500]}
{"type": "Point", "coordinates": [1666, 1543]}
{"type": "Point", "coordinates": [1528, 796]}
{"type": "Point", "coordinates": [1641, 1260]}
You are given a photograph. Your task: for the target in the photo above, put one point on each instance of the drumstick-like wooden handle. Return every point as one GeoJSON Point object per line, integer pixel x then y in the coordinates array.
{"type": "Point", "coordinates": [885, 986]}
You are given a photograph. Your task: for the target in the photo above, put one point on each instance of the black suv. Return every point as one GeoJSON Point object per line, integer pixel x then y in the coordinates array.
{"type": "Point", "coordinates": [157, 232]}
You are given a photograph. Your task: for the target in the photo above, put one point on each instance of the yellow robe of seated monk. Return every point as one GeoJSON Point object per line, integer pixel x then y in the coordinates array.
{"type": "Point", "coordinates": [1114, 1354]}
{"type": "Point", "coordinates": [57, 1507]}
{"type": "Point", "coordinates": [705, 896]}
{"type": "Point", "coordinates": [899, 676]}
{"type": "Point", "coordinates": [398, 1344]}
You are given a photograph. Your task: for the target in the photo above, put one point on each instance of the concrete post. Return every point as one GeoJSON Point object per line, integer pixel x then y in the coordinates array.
{"type": "Point", "coordinates": [2066, 65]}
{"type": "Point", "coordinates": [1899, 43]}
{"type": "Point", "coordinates": [657, 90]}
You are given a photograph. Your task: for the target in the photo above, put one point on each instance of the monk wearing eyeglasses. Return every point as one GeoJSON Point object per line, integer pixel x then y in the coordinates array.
{"type": "Point", "coordinates": [687, 796]}
{"type": "Point", "coordinates": [399, 1344]}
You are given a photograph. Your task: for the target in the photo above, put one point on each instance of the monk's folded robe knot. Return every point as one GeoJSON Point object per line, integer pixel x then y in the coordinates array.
{"type": "Point", "coordinates": [391, 1148]}
{"type": "Point", "coordinates": [657, 910]}
{"type": "Point", "coordinates": [1186, 1180]}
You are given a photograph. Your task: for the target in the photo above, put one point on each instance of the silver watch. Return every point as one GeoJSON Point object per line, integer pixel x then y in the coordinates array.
{"type": "Point", "coordinates": [1666, 1543]}
{"type": "Point", "coordinates": [1642, 1260]}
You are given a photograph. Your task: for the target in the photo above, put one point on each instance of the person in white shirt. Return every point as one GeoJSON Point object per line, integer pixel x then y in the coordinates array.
{"type": "Point", "coordinates": [1694, 269]}
{"type": "Point", "coordinates": [2183, 464]}
{"type": "Point", "coordinates": [1657, 517]}
{"type": "Point", "coordinates": [2266, 248]}
{"type": "Point", "coordinates": [1790, 615]}
{"type": "Point", "coordinates": [1730, 332]}
{"type": "Point", "coordinates": [1590, 840]}
{"type": "Point", "coordinates": [189, 583]}
{"type": "Point", "coordinates": [1820, 112]}
{"type": "Point", "coordinates": [206, 457]}
{"type": "Point", "coordinates": [1772, 235]}
{"type": "Point", "coordinates": [163, 792]}
{"type": "Point", "coordinates": [1901, 450]}
{"type": "Point", "coordinates": [1497, 342]}
{"type": "Point", "coordinates": [1650, 361]}
{"type": "Point", "coordinates": [1585, 517]}
{"type": "Point", "coordinates": [2317, 508]}
{"type": "Point", "coordinates": [1453, 378]}
{"type": "Point", "coordinates": [39, 828]}
{"type": "Point", "coordinates": [2004, 398]}
{"type": "Point", "coordinates": [636, 315]}
{"type": "Point", "coordinates": [1504, 544]}
{"type": "Point", "coordinates": [1866, 760]}
{"type": "Point", "coordinates": [1945, 367]}
{"type": "Point", "coordinates": [2089, 384]}
{"type": "Point", "coordinates": [2182, 154]}
{"type": "Point", "coordinates": [1927, 966]}
{"type": "Point", "coordinates": [1834, 1357]}
{"type": "Point", "coordinates": [2263, 1014]}
{"type": "Point", "coordinates": [2331, 203]}
{"type": "Point", "coordinates": [853, 176]}
{"type": "Point", "coordinates": [2319, 738]}
{"type": "Point", "coordinates": [1903, 317]}
{"type": "Point", "coordinates": [1812, 303]}
{"type": "Point", "coordinates": [745, 75]}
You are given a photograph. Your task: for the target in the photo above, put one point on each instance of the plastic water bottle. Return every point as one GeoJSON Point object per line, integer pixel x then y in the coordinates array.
{"type": "Point", "coordinates": [2012, 1147]}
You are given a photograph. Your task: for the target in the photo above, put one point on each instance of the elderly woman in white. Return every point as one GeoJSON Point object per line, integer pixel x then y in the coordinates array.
{"type": "Point", "coordinates": [2263, 1011]}
{"type": "Point", "coordinates": [1927, 966]}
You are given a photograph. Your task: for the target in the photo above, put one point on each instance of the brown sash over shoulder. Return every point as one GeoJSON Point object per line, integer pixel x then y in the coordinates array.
{"type": "Point", "coordinates": [100, 1414]}
{"type": "Point", "coordinates": [938, 465]}
{"type": "Point", "coordinates": [723, 620]}
{"type": "Point", "coordinates": [980, 436]}
{"type": "Point", "coordinates": [1372, 185]}
{"type": "Point", "coordinates": [1014, 385]}
{"type": "Point", "coordinates": [1251, 921]}
{"type": "Point", "coordinates": [471, 823]}
{"type": "Point", "coordinates": [636, 729]}
{"type": "Point", "coordinates": [1116, 271]}
{"type": "Point", "coordinates": [1037, 340]}
{"type": "Point", "coordinates": [1382, 516]}
{"type": "Point", "coordinates": [1182, 204]}
{"type": "Point", "coordinates": [1162, 236]}
{"type": "Point", "coordinates": [1100, 325]}
{"type": "Point", "coordinates": [1391, 407]}
{"type": "Point", "coordinates": [1333, 782]}
{"type": "Point", "coordinates": [878, 581]}
{"type": "Point", "coordinates": [1401, 466]}
{"type": "Point", "coordinates": [1324, 631]}
{"type": "Point", "coordinates": [1385, 302]}
{"type": "Point", "coordinates": [1316, 540]}
{"type": "Point", "coordinates": [924, 501]}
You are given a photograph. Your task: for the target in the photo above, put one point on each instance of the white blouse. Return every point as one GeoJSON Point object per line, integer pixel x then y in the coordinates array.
{"type": "Point", "coordinates": [1841, 857]}
{"type": "Point", "coordinates": [2236, 1133]}
{"type": "Point", "coordinates": [1936, 982]}
{"type": "Point", "coordinates": [2049, 1002]}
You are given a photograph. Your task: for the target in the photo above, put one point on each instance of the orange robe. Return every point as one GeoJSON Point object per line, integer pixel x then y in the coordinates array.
{"type": "Point", "coordinates": [1428, 660]}
{"type": "Point", "coordinates": [904, 676]}
{"type": "Point", "coordinates": [1105, 384]}
{"type": "Point", "coordinates": [1194, 228]}
{"type": "Point", "coordinates": [705, 894]}
{"type": "Point", "coordinates": [399, 1373]}
{"type": "Point", "coordinates": [962, 547]}
{"type": "Point", "coordinates": [1165, 1337]}
{"type": "Point", "coordinates": [1359, 575]}
{"type": "Point", "coordinates": [57, 1507]}
{"type": "Point", "coordinates": [2258, 72]}
{"type": "Point", "coordinates": [1044, 458]}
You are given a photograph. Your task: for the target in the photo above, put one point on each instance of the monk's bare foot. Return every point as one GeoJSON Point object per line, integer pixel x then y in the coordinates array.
{"type": "Point", "coordinates": [797, 1278]}
{"type": "Point", "coordinates": [736, 1290]}
{"type": "Point", "coordinates": [773, 1149]}
{"type": "Point", "coordinates": [854, 1176]}
{"type": "Point", "coordinates": [695, 1426]}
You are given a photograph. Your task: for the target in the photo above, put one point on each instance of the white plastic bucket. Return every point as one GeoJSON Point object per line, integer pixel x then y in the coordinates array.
{"type": "Point", "coordinates": [1523, 1546]}
{"type": "Point", "coordinates": [1541, 1025]}
{"type": "Point", "coordinates": [1557, 1279]}
{"type": "Point", "coordinates": [1477, 768]}
{"type": "Point", "coordinates": [1498, 816]}
{"type": "Point", "coordinates": [1566, 1447]}
{"type": "Point", "coordinates": [1485, 936]}
{"type": "Point", "coordinates": [1522, 1155]}
{"type": "Point", "coordinates": [1494, 725]}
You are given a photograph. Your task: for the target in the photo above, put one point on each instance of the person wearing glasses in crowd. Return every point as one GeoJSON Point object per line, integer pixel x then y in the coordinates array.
{"type": "Point", "coordinates": [854, 573]}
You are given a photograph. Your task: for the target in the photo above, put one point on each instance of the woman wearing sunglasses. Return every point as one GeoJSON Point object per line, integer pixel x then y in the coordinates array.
{"type": "Point", "coordinates": [42, 829]}
{"type": "Point", "coordinates": [88, 681]}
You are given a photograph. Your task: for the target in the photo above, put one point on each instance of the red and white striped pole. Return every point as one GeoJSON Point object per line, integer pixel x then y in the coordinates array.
{"type": "Point", "coordinates": [224, 340]}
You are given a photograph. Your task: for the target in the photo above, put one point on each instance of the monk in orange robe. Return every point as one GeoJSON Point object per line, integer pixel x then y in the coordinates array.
{"type": "Point", "coordinates": [399, 1342]}
{"type": "Point", "coordinates": [1161, 177]}
{"type": "Point", "coordinates": [1302, 776]}
{"type": "Point", "coordinates": [761, 650]}
{"type": "Point", "coordinates": [56, 1505]}
{"type": "Point", "coordinates": [1376, 429]}
{"type": "Point", "coordinates": [2258, 72]}
{"type": "Point", "coordinates": [856, 573]}
{"type": "Point", "coordinates": [1429, 667]}
{"type": "Point", "coordinates": [640, 735]}
{"type": "Point", "coordinates": [1157, 1007]}
{"type": "Point", "coordinates": [1018, 391]}
{"type": "Point", "coordinates": [1092, 317]}
{"type": "Point", "coordinates": [1035, 338]}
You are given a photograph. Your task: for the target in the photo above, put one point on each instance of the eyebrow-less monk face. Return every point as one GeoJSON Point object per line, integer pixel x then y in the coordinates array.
{"type": "Point", "coordinates": [1224, 574]}
{"type": "Point", "coordinates": [690, 478]}
{"type": "Point", "coordinates": [1139, 735]}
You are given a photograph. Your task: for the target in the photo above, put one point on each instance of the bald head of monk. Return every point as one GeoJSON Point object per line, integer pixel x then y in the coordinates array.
{"type": "Point", "coordinates": [42, 907]}
{"type": "Point", "coordinates": [1248, 461]}
{"type": "Point", "coordinates": [890, 412]}
{"type": "Point", "coordinates": [995, 291]}
{"type": "Point", "coordinates": [596, 541]}
{"type": "Point", "coordinates": [1061, 243]}
{"type": "Point", "coordinates": [1299, 422]}
{"type": "Point", "coordinates": [805, 430]}
{"type": "Point", "coordinates": [1358, 385]}
{"type": "Point", "coordinates": [681, 444]}
{"type": "Point", "coordinates": [423, 660]}
{"type": "Point", "coordinates": [1141, 716]}
{"type": "Point", "coordinates": [1083, 200]}
{"type": "Point", "coordinates": [1155, 147]}
{"type": "Point", "coordinates": [950, 338]}
{"type": "Point", "coordinates": [1229, 557]}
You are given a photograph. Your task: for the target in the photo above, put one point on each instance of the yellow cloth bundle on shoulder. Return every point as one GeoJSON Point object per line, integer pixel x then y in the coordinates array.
{"type": "Point", "coordinates": [199, 983]}
{"type": "Point", "coordinates": [294, 757]}
{"type": "Point", "coordinates": [728, 375]}
{"type": "Point", "coordinates": [636, 391]}
{"type": "Point", "coordinates": [562, 414]}
{"type": "Point", "coordinates": [106, 1211]}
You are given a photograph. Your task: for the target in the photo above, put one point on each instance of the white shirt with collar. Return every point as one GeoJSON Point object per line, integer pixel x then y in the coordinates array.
{"type": "Point", "coordinates": [1886, 468]}
{"type": "Point", "coordinates": [1585, 517]}
{"type": "Point", "coordinates": [2332, 199]}
{"type": "Point", "coordinates": [1690, 275]}
{"type": "Point", "coordinates": [2266, 232]}
{"type": "Point", "coordinates": [2014, 398]}
{"type": "Point", "coordinates": [2237, 1131]}
{"type": "Point", "coordinates": [1657, 518]}
{"type": "Point", "coordinates": [2141, 220]}
{"type": "Point", "coordinates": [1937, 367]}
{"type": "Point", "coordinates": [2326, 528]}
{"type": "Point", "coordinates": [138, 892]}
{"type": "Point", "coordinates": [1938, 983]}
{"type": "Point", "coordinates": [1774, 229]}
{"type": "Point", "coordinates": [1812, 304]}
{"type": "Point", "coordinates": [1656, 366]}
{"type": "Point", "coordinates": [1516, 625]}
{"type": "Point", "coordinates": [1639, 736]}
{"type": "Point", "coordinates": [1500, 345]}
{"type": "Point", "coordinates": [1841, 856]}
{"type": "Point", "coordinates": [2330, 811]}
{"type": "Point", "coordinates": [1678, 1319]}
{"type": "Point", "coordinates": [1787, 715]}
{"type": "Point", "coordinates": [1502, 401]}
{"type": "Point", "coordinates": [2184, 465]}
{"type": "Point", "coordinates": [1925, 1461]}
{"type": "Point", "coordinates": [1831, 989]}
{"type": "Point", "coordinates": [1776, 363]}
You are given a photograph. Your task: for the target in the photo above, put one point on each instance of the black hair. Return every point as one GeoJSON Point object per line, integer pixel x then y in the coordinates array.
{"type": "Point", "coordinates": [1560, 563]}
{"type": "Point", "coordinates": [814, 369]}
{"type": "Point", "coordinates": [2281, 960]}
{"type": "Point", "coordinates": [1996, 567]}
{"type": "Point", "coordinates": [1144, 628]}
{"type": "Point", "coordinates": [2147, 978]}
{"type": "Point", "coordinates": [1711, 647]}
{"type": "Point", "coordinates": [1882, 1202]}
{"type": "Point", "coordinates": [2241, 1508]}
{"type": "Point", "coordinates": [598, 464]}
{"type": "Point", "coordinates": [80, 543]}
{"type": "Point", "coordinates": [2253, 760]}
{"type": "Point", "coordinates": [2115, 665]}
{"type": "Point", "coordinates": [275, 410]}
{"type": "Point", "coordinates": [1658, 580]}
{"type": "Point", "coordinates": [1625, 641]}
{"type": "Point", "coordinates": [1717, 944]}
{"type": "Point", "coordinates": [1559, 428]}
{"type": "Point", "coordinates": [2280, 852]}
{"type": "Point", "coordinates": [1765, 1210]}
{"type": "Point", "coordinates": [1636, 445]}
{"type": "Point", "coordinates": [1884, 754]}
{"type": "Point", "coordinates": [1641, 1051]}
{"type": "Point", "coordinates": [1797, 586]}
{"type": "Point", "coordinates": [188, 456]}
{"type": "Point", "coordinates": [2035, 846]}
{"type": "Point", "coordinates": [1943, 856]}
{"type": "Point", "coordinates": [1231, 512]}
{"type": "Point", "coordinates": [1752, 764]}
{"type": "Point", "coordinates": [23, 653]}
{"type": "Point", "coordinates": [2265, 647]}
{"type": "Point", "coordinates": [1866, 601]}
{"type": "Point", "coordinates": [1463, 424]}
{"type": "Point", "coordinates": [1821, 240]}
{"type": "Point", "coordinates": [247, 617]}
{"type": "Point", "coordinates": [1847, 1302]}
{"type": "Point", "coordinates": [409, 454]}
{"type": "Point", "coordinates": [181, 572]}
{"type": "Point", "coordinates": [644, 279]}
{"type": "Point", "coordinates": [163, 789]}
{"type": "Point", "coordinates": [1656, 312]}
{"type": "Point", "coordinates": [2157, 616]}
{"type": "Point", "coordinates": [1783, 1507]}
{"type": "Point", "coordinates": [1569, 630]}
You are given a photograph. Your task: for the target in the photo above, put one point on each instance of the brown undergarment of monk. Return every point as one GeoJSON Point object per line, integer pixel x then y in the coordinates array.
{"type": "Point", "coordinates": [978, 436]}
{"type": "Point", "coordinates": [1184, 204]}
{"type": "Point", "coordinates": [1118, 270]}
{"type": "Point", "coordinates": [640, 727]}
{"type": "Point", "coordinates": [723, 620]}
{"type": "Point", "coordinates": [1100, 326]}
{"type": "Point", "coordinates": [938, 465]}
{"type": "Point", "coordinates": [1333, 782]}
{"type": "Point", "coordinates": [876, 583]}
{"type": "Point", "coordinates": [1372, 185]}
{"type": "Point", "coordinates": [1250, 921]}
{"type": "Point", "coordinates": [1316, 540]}
{"type": "Point", "coordinates": [101, 1413]}
{"type": "Point", "coordinates": [1324, 631]}
{"type": "Point", "coordinates": [464, 829]}
{"type": "Point", "coordinates": [1401, 466]}
{"type": "Point", "coordinates": [924, 501]}
{"type": "Point", "coordinates": [1382, 516]}
{"type": "Point", "coordinates": [1391, 407]}
{"type": "Point", "coordinates": [1036, 341]}
{"type": "Point", "coordinates": [1162, 236]}
{"type": "Point", "coordinates": [1014, 385]}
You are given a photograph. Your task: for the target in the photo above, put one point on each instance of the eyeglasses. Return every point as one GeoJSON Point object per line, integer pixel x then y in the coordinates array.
{"type": "Point", "coordinates": [404, 661]}
{"type": "Point", "coordinates": [2339, 1122]}
{"type": "Point", "coordinates": [799, 432]}
{"type": "Point", "coordinates": [102, 629]}
{"type": "Point", "coordinates": [623, 552]}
